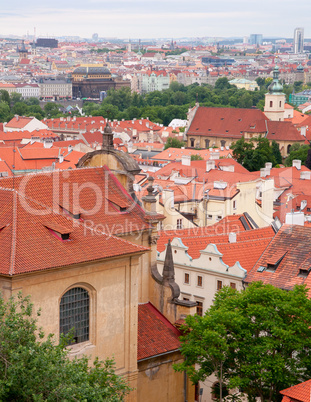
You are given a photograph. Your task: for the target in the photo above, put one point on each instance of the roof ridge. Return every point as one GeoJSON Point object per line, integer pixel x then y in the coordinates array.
{"type": "Point", "coordinates": [14, 235]}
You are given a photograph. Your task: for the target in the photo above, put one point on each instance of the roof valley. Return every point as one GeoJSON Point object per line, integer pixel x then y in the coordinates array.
{"type": "Point", "coordinates": [14, 234]}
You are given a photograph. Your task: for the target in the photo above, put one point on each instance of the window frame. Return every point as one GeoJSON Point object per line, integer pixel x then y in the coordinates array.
{"type": "Point", "coordinates": [92, 311]}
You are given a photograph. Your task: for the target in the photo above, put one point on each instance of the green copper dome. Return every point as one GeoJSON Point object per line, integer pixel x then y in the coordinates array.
{"type": "Point", "coordinates": [275, 87]}
{"type": "Point", "coordinates": [300, 69]}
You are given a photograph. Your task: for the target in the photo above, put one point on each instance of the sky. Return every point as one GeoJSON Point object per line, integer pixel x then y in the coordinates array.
{"type": "Point", "coordinates": [154, 18]}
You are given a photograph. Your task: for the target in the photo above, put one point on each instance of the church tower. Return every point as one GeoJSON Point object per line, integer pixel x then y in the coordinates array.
{"type": "Point", "coordinates": [275, 99]}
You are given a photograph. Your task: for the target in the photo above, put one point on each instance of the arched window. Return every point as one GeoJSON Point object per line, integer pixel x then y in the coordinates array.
{"type": "Point", "coordinates": [207, 143]}
{"type": "Point", "coordinates": [191, 142]}
{"type": "Point", "coordinates": [74, 314]}
{"type": "Point", "coordinates": [288, 148]}
{"type": "Point", "coordinates": [222, 143]}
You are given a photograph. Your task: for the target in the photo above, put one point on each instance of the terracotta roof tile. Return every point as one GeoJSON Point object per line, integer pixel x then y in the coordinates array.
{"type": "Point", "coordinates": [156, 335]}
{"type": "Point", "coordinates": [297, 393]}
{"type": "Point", "coordinates": [289, 251]}
{"type": "Point", "coordinates": [40, 202]}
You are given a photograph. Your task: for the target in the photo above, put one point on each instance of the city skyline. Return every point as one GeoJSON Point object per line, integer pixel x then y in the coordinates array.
{"type": "Point", "coordinates": [146, 19]}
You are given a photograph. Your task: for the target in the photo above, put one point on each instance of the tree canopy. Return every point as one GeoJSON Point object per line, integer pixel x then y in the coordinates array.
{"type": "Point", "coordinates": [297, 151]}
{"type": "Point", "coordinates": [257, 340]}
{"type": "Point", "coordinates": [254, 154]}
{"type": "Point", "coordinates": [174, 143]}
{"type": "Point", "coordinates": [34, 368]}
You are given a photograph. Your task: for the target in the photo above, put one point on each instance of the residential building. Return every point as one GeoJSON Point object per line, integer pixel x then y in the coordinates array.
{"type": "Point", "coordinates": [153, 80]}
{"type": "Point", "coordinates": [19, 123]}
{"type": "Point", "coordinates": [28, 90]}
{"type": "Point", "coordinates": [54, 89]}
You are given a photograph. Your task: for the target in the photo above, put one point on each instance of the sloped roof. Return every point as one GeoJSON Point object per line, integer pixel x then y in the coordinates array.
{"type": "Point", "coordinates": [227, 122]}
{"type": "Point", "coordinates": [32, 206]}
{"type": "Point", "coordinates": [249, 245]}
{"type": "Point", "coordinates": [156, 335]}
{"type": "Point", "coordinates": [292, 245]}
{"type": "Point", "coordinates": [297, 393]}
{"type": "Point", "coordinates": [283, 131]}
{"type": "Point", "coordinates": [19, 122]}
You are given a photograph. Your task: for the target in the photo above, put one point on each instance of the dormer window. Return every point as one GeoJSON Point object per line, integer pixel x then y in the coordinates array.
{"type": "Point", "coordinates": [76, 215]}
{"type": "Point", "coordinates": [274, 262]}
{"type": "Point", "coordinates": [59, 231]}
{"type": "Point", "coordinates": [303, 273]}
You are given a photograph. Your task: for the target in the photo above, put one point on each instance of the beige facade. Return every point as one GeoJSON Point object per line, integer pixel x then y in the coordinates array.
{"type": "Point", "coordinates": [113, 307]}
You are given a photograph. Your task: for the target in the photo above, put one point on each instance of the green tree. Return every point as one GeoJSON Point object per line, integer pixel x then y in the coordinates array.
{"type": "Point", "coordinates": [308, 160]}
{"type": "Point", "coordinates": [5, 113]}
{"type": "Point", "coordinates": [196, 157]}
{"type": "Point", "coordinates": [276, 152]}
{"type": "Point", "coordinates": [174, 143]}
{"type": "Point", "coordinates": [222, 83]}
{"type": "Point", "coordinates": [15, 97]}
{"type": "Point", "coordinates": [257, 340]}
{"type": "Point", "coordinates": [4, 96]}
{"type": "Point", "coordinates": [34, 368]}
{"type": "Point", "coordinates": [297, 151]}
{"type": "Point", "coordinates": [253, 154]}
{"type": "Point", "coordinates": [51, 109]}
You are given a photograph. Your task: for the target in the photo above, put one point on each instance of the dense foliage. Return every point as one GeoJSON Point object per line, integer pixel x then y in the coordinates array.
{"type": "Point", "coordinates": [34, 368]}
{"type": "Point", "coordinates": [297, 151]}
{"type": "Point", "coordinates": [254, 154]}
{"type": "Point", "coordinates": [173, 103]}
{"type": "Point", "coordinates": [174, 143]}
{"type": "Point", "coordinates": [257, 340]}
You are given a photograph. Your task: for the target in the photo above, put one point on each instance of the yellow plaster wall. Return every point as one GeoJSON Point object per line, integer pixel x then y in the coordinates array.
{"type": "Point", "coordinates": [157, 381]}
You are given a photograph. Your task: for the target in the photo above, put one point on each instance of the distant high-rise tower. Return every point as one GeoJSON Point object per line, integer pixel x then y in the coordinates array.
{"type": "Point", "coordinates": [298, 40]}
{"type": "Point", "coordinates": [95, 37]}
{"type": "Point", "coordinates": [255, 39]}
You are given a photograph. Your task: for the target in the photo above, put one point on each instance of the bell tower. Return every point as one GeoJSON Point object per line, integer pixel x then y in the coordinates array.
{"type": "Point", "coordinates": [275, 99]}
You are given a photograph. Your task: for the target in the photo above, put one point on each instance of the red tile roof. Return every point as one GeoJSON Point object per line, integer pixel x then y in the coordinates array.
{"type": "Point", "coordinates": [297, 393]}
{"type": "Point", "coordinates": [19, 122]}
{"type": "Point", "coordinates": [247, 249]}
{"type": "Point", "coordinates": [156, 335]}
{"type": "Point", "coordinates": [227, 122]}
{"type": "Point", "coordinates": [283, 131]}
{"type": "Point", "coordinates": [291, 244]}
{"type": "Point", "coordinates": [40, 203]}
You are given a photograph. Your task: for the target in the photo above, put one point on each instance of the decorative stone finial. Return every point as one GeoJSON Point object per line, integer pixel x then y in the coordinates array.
{"type": "Point", "coordinates": [108, 137]}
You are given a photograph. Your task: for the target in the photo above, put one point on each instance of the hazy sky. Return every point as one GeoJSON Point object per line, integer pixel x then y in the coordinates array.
{"type": "Point", "coordinates": [154, 18]}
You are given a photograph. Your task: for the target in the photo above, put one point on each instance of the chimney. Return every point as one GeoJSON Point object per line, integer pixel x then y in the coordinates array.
{"type": "Point", "coordinates": [210, 165]}
{"type": "Point", "coordinates": [186, 160]}
{"type": "Point", "coordinates": [232, 237]}
{"type": "Point", "coordinates": [168, 198]}
{"type": "Point", "coordinates": [295, 218]}
{"type": "Point", "coordinates": [264, 172]}
{"type": "Point", "coordinates": [303, 131]}
{"type": "Point", "coordinates": [305, 175]}
{"type": "Point", "coordinates": [61, 158]}
{"type": "Point", "coordinates": [297, 164]}
{"type": "Point", "coordinates": [268, 167]}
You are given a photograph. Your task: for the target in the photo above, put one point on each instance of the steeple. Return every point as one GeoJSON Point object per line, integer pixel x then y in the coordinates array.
{"type": "Point", "coordinates": [275, 99]}
{"type": "Point", "coordinates": [107, 137]}
{"type": "Point", "coordinates": [275, 87]}
{"type": "Point", "coordinates": [168, 269]}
